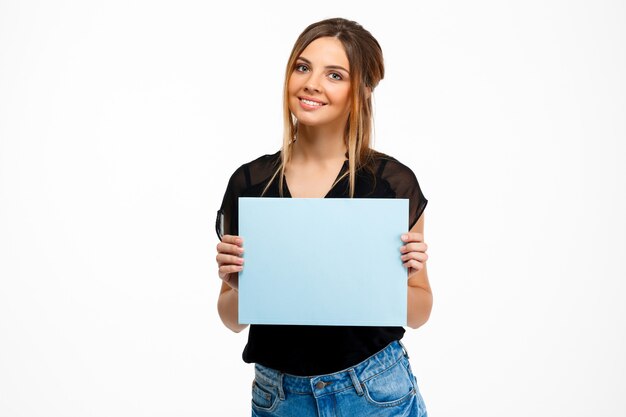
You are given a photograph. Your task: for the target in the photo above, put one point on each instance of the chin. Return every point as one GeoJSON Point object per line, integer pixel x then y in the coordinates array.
{"type": "Point", "coordinates": [308, 122]}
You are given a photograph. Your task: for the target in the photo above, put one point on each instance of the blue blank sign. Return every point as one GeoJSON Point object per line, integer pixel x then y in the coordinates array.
{"type": "Point", "coordinates": [323, 261]}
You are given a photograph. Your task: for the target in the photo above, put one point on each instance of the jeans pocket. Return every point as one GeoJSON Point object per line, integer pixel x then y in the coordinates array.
{"type": "Point", "coordinates": [264, 396]}
{"type": "Point", "coordinates": [420, 399]}
{"type": "Point", "coordinates": [391, 387]}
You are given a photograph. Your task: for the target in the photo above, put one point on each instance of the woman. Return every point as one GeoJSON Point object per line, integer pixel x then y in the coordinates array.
{"type": "Point", "coordinates": [328, 370]}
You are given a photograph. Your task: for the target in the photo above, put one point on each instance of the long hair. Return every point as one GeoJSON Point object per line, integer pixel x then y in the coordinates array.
{"type": "Point", "coordinates": [366, 70]}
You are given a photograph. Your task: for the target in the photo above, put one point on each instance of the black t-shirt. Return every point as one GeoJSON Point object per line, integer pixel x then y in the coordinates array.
{"type": "Point", "coordinates": [316, 350]}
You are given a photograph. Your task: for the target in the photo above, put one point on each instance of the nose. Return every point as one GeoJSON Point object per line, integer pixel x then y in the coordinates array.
{"type": "Point", "coordinates": [313, 84]}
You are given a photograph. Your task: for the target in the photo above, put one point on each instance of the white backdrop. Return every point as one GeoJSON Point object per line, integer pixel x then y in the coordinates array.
{"type": "Point", "coordinates": [121, 122]}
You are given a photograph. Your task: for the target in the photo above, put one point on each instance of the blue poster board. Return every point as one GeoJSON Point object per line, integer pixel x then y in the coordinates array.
{"type": "Point", "coordinates": [323, 261]}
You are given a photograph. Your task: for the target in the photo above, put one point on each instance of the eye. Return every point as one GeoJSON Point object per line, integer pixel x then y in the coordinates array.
{"type": "Point", "coordinates": [301, 67]}
{"type": "Point", "coordinates": [336, 76]}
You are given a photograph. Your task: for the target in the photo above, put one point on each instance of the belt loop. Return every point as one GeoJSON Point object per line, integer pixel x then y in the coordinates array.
{"type": "Point", "coordinates": [281, 391]}
{"type": "Point", "coordinates": [406, 353]}
{"type": "Point", "coordinates": [355, 381]}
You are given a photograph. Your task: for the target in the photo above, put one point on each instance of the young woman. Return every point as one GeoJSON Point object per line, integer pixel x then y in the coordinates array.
{"type": "Point", "coordinates": [328, 370]}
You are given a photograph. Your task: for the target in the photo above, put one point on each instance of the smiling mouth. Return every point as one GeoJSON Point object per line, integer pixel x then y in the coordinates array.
{"type": "Point", "coordinates": [311, 103]}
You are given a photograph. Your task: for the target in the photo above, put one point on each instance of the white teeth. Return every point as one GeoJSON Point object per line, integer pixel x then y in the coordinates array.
{"type": "Point", "coordinates": [311, 103]}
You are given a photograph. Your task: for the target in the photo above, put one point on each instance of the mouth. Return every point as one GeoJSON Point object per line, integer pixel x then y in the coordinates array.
{"type": "Point", "coordinates": [309, 102]}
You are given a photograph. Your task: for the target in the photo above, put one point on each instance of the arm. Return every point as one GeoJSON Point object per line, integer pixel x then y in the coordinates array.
{"type": "Point", "coordinates": [229, 264]}
{"type": "Point", "coordinates": [419, 297]}
{"type": "Point", "coordinates": [228, 308]}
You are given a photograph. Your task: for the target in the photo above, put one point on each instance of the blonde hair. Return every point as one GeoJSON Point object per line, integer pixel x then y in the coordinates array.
{"type": "Point", "coordinates": [366, 70]}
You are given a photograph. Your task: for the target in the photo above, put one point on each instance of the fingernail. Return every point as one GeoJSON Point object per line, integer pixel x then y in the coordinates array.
{"type": "Point", "coordinates": [405, 237]}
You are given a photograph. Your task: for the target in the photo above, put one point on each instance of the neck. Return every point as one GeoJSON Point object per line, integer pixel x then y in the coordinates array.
{"type": "Point", "coordinates": [315, 143]}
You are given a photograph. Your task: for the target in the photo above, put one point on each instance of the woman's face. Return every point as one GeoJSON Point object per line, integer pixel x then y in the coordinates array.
{"type": "Point", "coordinates": [319, 84]}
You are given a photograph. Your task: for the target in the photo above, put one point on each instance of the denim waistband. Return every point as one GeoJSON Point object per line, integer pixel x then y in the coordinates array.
{"type": "Point", "coordinates": [321, 385]}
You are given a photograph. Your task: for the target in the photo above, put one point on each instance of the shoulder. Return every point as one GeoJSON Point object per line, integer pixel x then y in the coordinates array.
{"type": "Point", "coordinates": [264, 160]}
{"type": "Point", "coordinates": [399, 176]}
{"type": "Point", "coordinates": [390, 168]}
{"type": "Point", "coordinates": [402, 180]}
{"type": "Point", "coordinates": [261, 161]}
{"type": "Point", "coordinates": [253, 171]}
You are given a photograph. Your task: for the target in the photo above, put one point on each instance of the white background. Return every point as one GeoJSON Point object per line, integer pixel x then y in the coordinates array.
{"type": "Point", "coordinates": [121, 122]}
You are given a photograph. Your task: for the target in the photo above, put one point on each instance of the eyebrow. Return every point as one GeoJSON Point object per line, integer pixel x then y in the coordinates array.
{"type": "Point", "coordinates": [328, 66]}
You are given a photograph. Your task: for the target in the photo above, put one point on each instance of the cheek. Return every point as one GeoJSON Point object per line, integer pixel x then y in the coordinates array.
{"type": "Point", "coordinates": [292, 89]}
{"type": "Point", "coordinates": [293, 84]}
{"type": "Point", "coordinates": [342, 94]}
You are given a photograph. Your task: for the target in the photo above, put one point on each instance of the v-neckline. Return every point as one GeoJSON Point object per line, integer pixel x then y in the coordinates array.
{"type": "Point", "coordinates": [332, 187]}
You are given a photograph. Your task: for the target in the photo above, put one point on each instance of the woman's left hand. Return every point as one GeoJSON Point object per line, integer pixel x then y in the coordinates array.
{"type": "Point", "coordinates": [414, 251]}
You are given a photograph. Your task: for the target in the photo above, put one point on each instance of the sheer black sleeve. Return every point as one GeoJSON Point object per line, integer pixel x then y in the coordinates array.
{"type": "Point", "coordinates": [227, 219]}
{"type": "Point", "coordinates": [248, 180]}
{"type": "Point", "coordinates": [405, 185]}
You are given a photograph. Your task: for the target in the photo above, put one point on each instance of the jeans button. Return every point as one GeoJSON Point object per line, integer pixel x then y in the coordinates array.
{"type": "Point", "coordinates": [320, 385]}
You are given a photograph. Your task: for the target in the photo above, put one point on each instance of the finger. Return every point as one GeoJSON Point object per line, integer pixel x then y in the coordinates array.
{"type": "Point", "coordinates": [414, 247]}
{"type": "Point", "coordinates": [229, 269]}
{"type": "Point", "coordinates": [412, 237]}
{"type": "Point", "coordinates": [229, 248]}
{"type": "Point", "coordinates": [232, 280]}
{"type": "Point", "coordinates": [418, 266]}
{"type": "Point", "coordinates": [418, 256]}
{"type": "Point", "coordinates": [235, 240]}
{"type": "Point", "coordinates": [223, 259]}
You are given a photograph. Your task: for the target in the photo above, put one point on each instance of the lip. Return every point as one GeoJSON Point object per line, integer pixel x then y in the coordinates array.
{"type": "Point", "coordinates": [309, 107]}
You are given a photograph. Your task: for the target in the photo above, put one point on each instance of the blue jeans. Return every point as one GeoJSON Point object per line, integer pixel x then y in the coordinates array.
{"type": "Point", "coordinates": [382, 385]}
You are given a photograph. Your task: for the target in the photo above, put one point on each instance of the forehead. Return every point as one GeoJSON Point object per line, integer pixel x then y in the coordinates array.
{"type": "Point", "coordinates": [326, 51]}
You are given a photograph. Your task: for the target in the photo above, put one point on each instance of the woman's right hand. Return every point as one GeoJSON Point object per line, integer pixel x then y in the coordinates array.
{"type": "Point", "coordinates": [229, 260]}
